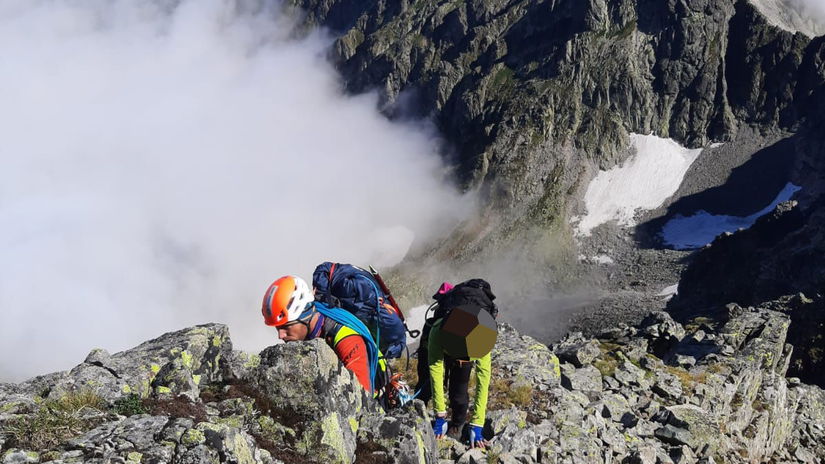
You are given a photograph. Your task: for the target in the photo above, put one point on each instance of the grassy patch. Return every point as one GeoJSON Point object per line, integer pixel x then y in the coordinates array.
{"type": "Point", "coordinates": [687, 379]}
{"type": "Point", "coordinates": [503, 80]}
{"type": "Point", "coordinates": [55, 421]}
{"type": "Point", "coordinates": [606, 366]}
{"type": "Point", "coordinates": [506, 395]}
{"type": "Point", "coordinates": [610, 359]}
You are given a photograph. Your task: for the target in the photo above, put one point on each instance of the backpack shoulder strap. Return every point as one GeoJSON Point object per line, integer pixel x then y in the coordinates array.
{"type": "Point", "coordinates": [348, 320]}
{"type": "Point", "coordinates": [329, 281]}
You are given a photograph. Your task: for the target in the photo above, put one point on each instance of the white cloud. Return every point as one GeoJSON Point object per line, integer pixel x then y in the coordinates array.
{"type": "Point", "coordinates": [164, 161]}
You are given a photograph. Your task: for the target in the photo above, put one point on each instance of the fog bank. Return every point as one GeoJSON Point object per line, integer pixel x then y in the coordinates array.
{"type": "Point", "coordinates": [164, 161]}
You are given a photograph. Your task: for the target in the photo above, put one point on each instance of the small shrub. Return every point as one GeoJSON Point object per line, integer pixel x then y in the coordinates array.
{"type": "Point", "coordinates": [611, 357]}
{"type": "Point", "coordinates": [498, 388]}
{"type": "Point", "coordinates": [129, 405]}
{"type": "Point", "coordinates": [521, 395]}
{"type": "Point", "coordinates": [609, 347]}
{"type": "Point", "coordinates": [494, 455]}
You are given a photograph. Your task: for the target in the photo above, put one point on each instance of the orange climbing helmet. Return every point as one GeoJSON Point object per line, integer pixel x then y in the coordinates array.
{"type": "Point", "coordinates": [286, 300]}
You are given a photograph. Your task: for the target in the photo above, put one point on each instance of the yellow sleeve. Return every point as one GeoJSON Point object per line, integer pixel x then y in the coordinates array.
{"type": "Point", "coordinates": [483, 372]}
{"type": "Point", "coordinates": [436, 365]}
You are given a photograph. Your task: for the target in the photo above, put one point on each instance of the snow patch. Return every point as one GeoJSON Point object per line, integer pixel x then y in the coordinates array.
{"type": "Point", "coordinates": [696, 231]}
{"type": "Point", "coordinates": [669, 291]}
{"type": "Point", "coordinates": [602, 259]}
{"type": "Point", "coordinates": [716, 144]}
{"type": "Point", "coordinates": [597, 259]}
{"type": "Point", "coordinates": [649, 177]}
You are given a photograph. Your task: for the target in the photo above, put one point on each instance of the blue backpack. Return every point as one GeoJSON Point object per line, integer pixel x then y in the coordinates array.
{"type": "Point", "coordinates": [355, 290]}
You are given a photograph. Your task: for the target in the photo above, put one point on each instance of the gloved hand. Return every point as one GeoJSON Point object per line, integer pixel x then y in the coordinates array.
{"type": "Point", "coordinates": [440, 426]}
{"type": "Point", "coordinates": [476, 438]}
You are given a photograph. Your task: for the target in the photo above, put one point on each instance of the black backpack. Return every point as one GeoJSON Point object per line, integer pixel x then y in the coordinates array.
{"type": "Point", "coordinates": [474, 292]}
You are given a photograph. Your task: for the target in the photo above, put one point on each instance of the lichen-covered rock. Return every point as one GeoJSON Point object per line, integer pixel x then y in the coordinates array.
{"type": "Point", "coordinates": [20, 457]}
{"type": "Point", "coordinates": [175, 430]}
{"type": "Point", "coordinates": [233, 445]}
{"type": "Point", "coordinates": [187, 357]}
{"type": "Point", "coordinates": [239, 365]}
{"type": "Point", "coordinates": [402, 436]}
{"type": "Point", "coordinates": [614, 406]}
{"type": "Point", "coordinates": [667, 386]}
{"type": "Point", "coordinates": [17, 404]}
{"type": "Point", "coordinates": [525, 359]}
{"type": "Point", "coordinates": [662, 331]}
{"type": "Point", "coordinates": [306, 381]}
{"type": "Point", "coordinates": [586, 379]}
{"type": "Point", "coordinates": [199, 454]}
{"type": "Point", "coordinates": [473, 456]}
{"type": "Point", "coordinates": [576, 350]}
{"type": "Point", "coordinates": [631, 375]}
{"type": "Point", "coordinates": [176, 379]}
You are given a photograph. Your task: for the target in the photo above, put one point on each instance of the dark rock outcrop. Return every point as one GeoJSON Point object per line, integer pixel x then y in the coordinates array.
{"type": "Point", "coordinates": [780, 254]}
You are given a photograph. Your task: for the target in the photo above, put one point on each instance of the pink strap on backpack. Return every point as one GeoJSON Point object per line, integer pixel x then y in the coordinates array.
{"type": "Point", "coordinates": [444, 288]}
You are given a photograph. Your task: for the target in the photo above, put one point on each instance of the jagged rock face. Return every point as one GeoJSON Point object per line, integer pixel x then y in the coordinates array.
{"type": "Point", "coordinates": [175, 363]}
{"type": "Point", "coordinates": [533, 93]}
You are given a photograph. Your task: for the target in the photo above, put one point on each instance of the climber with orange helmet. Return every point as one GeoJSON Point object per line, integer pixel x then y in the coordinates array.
{"type": "Point", "coordinates": [290, 306]}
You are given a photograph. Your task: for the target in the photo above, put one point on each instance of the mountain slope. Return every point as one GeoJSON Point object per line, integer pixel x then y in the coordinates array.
{"type": "Point", "coordinates": [534, 95]}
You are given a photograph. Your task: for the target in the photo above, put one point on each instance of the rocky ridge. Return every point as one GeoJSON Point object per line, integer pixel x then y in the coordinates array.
{"type": "Point", "coordinates": [711, 390]}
